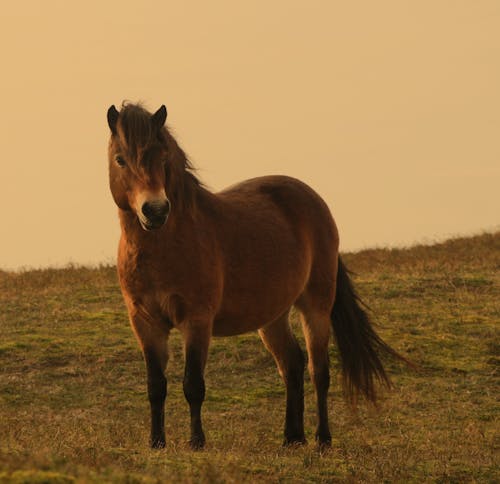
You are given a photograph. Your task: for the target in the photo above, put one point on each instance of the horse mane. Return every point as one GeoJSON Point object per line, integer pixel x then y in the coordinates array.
{"type": "Point", "coordinates": [139, 136]}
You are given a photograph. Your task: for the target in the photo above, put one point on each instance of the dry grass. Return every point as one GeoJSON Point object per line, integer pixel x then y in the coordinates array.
{"type": "Point", "coordinates": [72, 385]}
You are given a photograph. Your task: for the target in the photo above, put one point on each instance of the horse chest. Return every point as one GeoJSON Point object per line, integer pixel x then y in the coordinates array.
{"type": "Point", "coordinates": [138, 272]}
{"type": "Point", "coordinates": [171, 286]}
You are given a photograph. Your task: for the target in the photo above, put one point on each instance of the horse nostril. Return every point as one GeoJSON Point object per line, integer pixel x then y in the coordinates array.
{"type": "Point", "coordinates": [156, 209]}
{"type": "Point", "coordinates": [147, 209]}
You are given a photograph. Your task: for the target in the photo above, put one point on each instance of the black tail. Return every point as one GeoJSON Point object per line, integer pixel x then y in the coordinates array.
{"type": "Point", "coordinates": [358, 343]}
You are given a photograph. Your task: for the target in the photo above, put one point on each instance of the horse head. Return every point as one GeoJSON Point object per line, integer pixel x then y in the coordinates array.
{"type": "Point", "coordinates": [137, 155]}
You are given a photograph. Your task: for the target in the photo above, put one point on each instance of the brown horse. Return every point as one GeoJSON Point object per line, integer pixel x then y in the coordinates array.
{"type": "Point", "coordinates": [222, 264]}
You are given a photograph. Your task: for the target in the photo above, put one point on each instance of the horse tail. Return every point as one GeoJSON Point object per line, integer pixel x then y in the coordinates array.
{"type": "Point", "coordinates": [359, 345]}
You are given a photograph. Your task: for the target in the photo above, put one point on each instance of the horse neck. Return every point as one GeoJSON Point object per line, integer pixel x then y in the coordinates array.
{"type": "Point", "coordinates": [181, 187]}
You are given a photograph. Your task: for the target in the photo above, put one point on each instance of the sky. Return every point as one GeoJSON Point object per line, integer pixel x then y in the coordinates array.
{"type": "Point", "coordinates": [390, 110]}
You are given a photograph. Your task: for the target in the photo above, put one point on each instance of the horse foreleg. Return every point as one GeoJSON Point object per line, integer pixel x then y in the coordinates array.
{"type": "Point", "coordinates": [153, 341]}
{"type": "Point", "coordinates": [157, 393]}
{"type": "Point", "coordinates": [280, 341]}
{"type": "Point", "coordinates": [197, 339]}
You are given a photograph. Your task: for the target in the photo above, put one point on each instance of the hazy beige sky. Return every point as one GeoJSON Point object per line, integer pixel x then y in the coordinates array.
{"type": "Point", "coordinates": [389, 109]}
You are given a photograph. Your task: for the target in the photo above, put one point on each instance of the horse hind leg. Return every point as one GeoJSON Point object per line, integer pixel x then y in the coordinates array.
{"type": "Point", "coordinates": [316, 327]}
{"type": "Point", "coordinates": [282, 344]}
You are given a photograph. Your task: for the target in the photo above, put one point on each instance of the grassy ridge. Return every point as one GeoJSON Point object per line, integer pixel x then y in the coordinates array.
{"type": "Point", "coordinates": [72, 383]}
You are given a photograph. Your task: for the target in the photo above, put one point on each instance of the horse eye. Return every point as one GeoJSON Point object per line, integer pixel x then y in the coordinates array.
{"type": "Point", "coordinates": [120, 161]}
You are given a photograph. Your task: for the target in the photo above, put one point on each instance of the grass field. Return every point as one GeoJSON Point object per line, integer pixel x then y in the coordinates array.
{"type": "Point", "coordinates": [73, 403]}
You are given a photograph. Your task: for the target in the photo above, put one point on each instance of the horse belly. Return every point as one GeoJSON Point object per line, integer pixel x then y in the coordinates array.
{"type": "Point", "coordinates": [248, 319]}
{"type": "Point", "coordinates": [258, 299]}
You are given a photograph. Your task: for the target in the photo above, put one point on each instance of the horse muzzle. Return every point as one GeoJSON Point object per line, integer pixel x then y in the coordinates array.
{"type": "Point", "coordinates": [154, 214]}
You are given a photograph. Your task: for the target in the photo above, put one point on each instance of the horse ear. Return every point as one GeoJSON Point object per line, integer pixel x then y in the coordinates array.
{"type": "Point", "coordinates": [112, 118]}
{"type": "Point", "coordinates": [158, 119]}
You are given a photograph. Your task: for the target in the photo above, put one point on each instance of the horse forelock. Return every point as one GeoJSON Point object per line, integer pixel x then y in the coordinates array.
{"type": "Point", "coordinates": [135, 131]}
{"type": "Point", "coordinates": [139, 139]}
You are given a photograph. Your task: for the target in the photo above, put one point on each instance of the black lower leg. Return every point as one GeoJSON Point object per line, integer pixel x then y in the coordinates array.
{"type": "Point", "coordinates": [194, 391]}
{"type": "Point", "coordinates": [322, 383]}
{"type": "Point", "coordinates": [157, 392]}
{"type": "Point", "coordinates": [294, 419]}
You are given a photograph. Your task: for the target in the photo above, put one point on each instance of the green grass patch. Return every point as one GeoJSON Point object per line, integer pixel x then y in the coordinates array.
{"type": "Point", "coordinates": [73, 404]}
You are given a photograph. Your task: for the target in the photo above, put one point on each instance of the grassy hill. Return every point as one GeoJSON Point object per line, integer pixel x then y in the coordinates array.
{"type": "Point", "coordinates": [73, 403]}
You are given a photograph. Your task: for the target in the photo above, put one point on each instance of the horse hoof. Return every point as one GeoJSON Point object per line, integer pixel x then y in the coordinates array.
{"type": "Point", "coordinates": [158, 443]}
{"type": "Point", "coordinates": [197, 443]}
{"type": "Point", "coordinates": [324, 444]}
{"type": "Point", "coordinates": [324, 441]}
{"type": "Point", "coordinates": [294, 441]}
